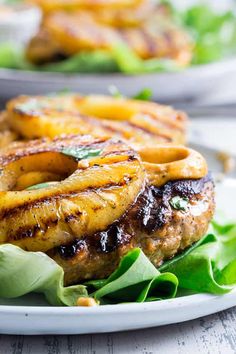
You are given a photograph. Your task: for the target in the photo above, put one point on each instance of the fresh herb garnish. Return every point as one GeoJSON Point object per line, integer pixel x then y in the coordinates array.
{"type": "Point", "coordinates": [179, 203]}
{"type": "Point", "coordinates": [32, 105]}
{"type": "Point", "coordinates": [113, 90]}
{"type": "Point", "coordinates": [81, 153]}
{"type": "Point", "coordinates": [63, 92]}
{"type": "Point", "coordinates": [144, 95]}
{"type": "Point", "coordinates": [40, 186]}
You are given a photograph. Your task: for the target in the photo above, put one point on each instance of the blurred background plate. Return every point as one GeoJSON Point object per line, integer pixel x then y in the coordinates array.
{"type": "Point", "coordinates": [191, 83]}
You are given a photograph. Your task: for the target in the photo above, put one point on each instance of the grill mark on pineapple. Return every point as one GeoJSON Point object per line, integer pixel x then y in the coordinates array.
{"type": "Point", "coordinates": [102, 123]}
{"type": "Point", "coordinates": [112, 129]}
{"type": "Point", "coordinates": [70, 217]}
{"type": "Point", "coordinates": [25, 232]}
{"type": "Point", "coordinates": [92, 140]}
{"type": "Point", "coordinates": [164, 136]}
{"type": "Point", "coordinates": [150, 42]}
{"type": "Point", "coordinates": [175, 123]}
{"type": "Point", "coordinates": [31, 231]}
{"type": "Point", "coordinates": [17, 155]}
{"type": "Point", "coordinates": [10, 212]}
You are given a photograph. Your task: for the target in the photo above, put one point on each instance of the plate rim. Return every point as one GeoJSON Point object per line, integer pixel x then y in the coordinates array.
{"type": "Point", "coordinates": [44, 76]}
{"type": "Point", "coordinates": [167, 304]}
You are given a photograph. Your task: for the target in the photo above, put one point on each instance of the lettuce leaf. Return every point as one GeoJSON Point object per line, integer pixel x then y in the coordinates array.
{"type": "Point", "coordinates": [209, 265]}
{"type": "Point", "coordinates": [98, 61]}
{"type": "Point", "coordinates": [11, 56]}
{"type": "Point", "coordinates": [121, 59]}
{"type": "Point", "coordinates": [135, 280]}
{"type": "Point", "coordinates": [214, 33]}
{"type": "Point", "coordinates": [129, 63]}
{"type": "Point", "coordinates": [22, 272]}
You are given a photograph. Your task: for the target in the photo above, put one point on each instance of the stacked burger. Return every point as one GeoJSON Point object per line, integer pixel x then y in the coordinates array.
{"type": "Point", "coordinates": [93, 177]}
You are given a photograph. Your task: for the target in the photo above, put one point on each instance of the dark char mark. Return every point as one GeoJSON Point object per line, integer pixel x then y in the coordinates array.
{"type": "Point", "coordinates": [105, 242]}
{"type": "Point", "coordinates": [70, 250]}
{"type": "Point", "coordinates": [153, 208]}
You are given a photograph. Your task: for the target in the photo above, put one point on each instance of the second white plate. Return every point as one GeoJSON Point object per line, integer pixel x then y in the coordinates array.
{"type": "Point", "coordinates": [189, 83]}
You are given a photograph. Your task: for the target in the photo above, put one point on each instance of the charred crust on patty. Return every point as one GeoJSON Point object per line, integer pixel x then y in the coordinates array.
{"type": "Point", "coordinates": [151, 212]}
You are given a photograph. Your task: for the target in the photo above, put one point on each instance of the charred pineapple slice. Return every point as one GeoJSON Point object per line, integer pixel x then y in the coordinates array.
{"type": "Point", "coordinates": [100, 180]}
{"type": "Point", "coordinates": [135, 121]}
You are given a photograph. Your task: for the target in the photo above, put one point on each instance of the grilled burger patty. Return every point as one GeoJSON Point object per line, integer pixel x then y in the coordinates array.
{"type": "Point", "coordinates": [102, 201]}
{"type": "Point", "coordinates": [152, 224]}
{"type": "Point", "coordinates": [136, 122]}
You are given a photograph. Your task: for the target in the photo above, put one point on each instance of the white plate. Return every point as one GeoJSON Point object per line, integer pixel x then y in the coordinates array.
{"type": "Point", "coordinates": [190, 83]}
{"type": "Point", "coordinates": [31, 315]}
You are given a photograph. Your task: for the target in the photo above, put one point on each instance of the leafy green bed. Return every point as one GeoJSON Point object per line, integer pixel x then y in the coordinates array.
{"type": "Point", "coordinates": [208, 266]}
{"type": "Point", "coordinates": [214, 35]}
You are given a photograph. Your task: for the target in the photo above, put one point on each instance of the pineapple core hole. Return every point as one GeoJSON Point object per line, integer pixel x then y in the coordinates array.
{"type": "Point", "coordinates": [40, 168]}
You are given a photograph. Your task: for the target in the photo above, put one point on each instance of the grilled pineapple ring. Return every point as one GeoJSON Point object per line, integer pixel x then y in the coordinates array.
{"type": "Point", "coordinates": [137, 122]}
{"type": "Point", "coordinates": [96, 188]}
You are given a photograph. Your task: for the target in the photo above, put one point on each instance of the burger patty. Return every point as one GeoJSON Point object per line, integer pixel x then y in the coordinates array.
{"type": "Point", "coordinates": [162, 222]}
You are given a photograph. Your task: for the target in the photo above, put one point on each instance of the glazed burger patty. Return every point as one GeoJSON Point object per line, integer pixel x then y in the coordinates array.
{"type": "Point", "coordinates": [152, 224]}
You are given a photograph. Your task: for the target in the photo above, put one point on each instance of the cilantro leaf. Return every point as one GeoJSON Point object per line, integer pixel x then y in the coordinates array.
{"type": "Point", "coordinates": [179, 203]}
{"type": "Point", "coordinates": [81, 153]}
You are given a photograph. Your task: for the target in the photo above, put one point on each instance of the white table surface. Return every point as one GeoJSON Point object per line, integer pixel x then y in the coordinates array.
{"type": "Point", "coordinates": [212, 334]}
